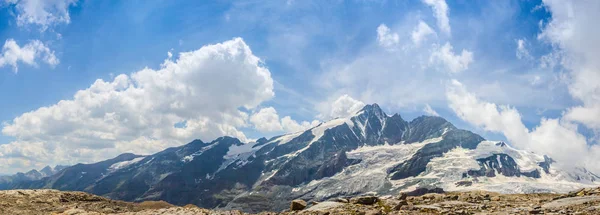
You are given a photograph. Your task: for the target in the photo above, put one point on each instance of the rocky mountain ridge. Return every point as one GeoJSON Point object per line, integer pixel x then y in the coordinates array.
{"type": "Point", "coordinates": [368, 152]}
{"type": "Point", "coordinates": [8, 181]}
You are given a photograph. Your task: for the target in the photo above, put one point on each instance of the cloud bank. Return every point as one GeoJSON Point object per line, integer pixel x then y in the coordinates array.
{"type": "Point", "coordinates": [203, 91]}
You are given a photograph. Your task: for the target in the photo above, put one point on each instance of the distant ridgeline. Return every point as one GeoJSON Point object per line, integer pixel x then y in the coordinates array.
{"type": "Point", "coordinates": [369, 151]}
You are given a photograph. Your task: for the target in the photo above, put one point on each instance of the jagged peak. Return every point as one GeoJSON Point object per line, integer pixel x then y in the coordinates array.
{"type": "Point", "coordinates": [47, 170]}
{"type": "Point", "coordinates": [372, 108]}
{"type": "Point", "coordinates": [397, 116]}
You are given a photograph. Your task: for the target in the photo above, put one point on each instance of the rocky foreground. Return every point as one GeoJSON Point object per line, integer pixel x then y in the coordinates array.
{"type": "Point", "coordinates": [585, 201]}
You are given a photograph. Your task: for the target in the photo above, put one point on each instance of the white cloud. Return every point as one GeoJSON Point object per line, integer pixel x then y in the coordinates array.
{"type": "Point", "coordinates": [386, 38]}
{"type": "Point", "coordinates": [588, 115]}
{"type": "Point", "coordinates": [455, 63]}
{"type": "Point", "coordinates": [12, 54]}
{"type": "Point", "coordinates": [202, 90]}
{"type": "Point", "coordinates": [420, 33]}
{"type": "Point", "coordinates": [522, 52]}
{"type": "Point", "coordinates": [291, 125]}
{"type": "Point", "coordinates": [489, 116]}
{"type": "Point", "coordinates": [343, 106]}
{"type": "Point", "coordinates": [44, 13]}
{"type": "Point", "coordinates": [573, 33]}
{"type": "Point", "coordinates": [554, 137]}
{"type": "Point", "coordinates": [392, 79]}
{"type": "Point", "coordinates": [267, 120]}
{"type": "Point", "coordinates": [430, 111]}
{"type": "Point", "coordinates": [440, 11]}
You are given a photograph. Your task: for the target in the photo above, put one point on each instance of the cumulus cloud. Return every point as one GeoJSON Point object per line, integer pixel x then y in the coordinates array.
{"type": "Point", "coordinates": [291, 125]}
{"type": "Point", "coordinates": [588, 115]}
{"type": "Point", "coordinates": [420, 33]}
{"type": "Point", "coordinates": [338, 107]}
{"type": "Point", "coordinates": [386, 38]}
{"type": "Point", "coordinates": [455, 63]}
{"type": "Point", "coordinates": [489, 116]}
{"type": "Point", "coordinates": [28, 54]}
{"type": "Point", "coordinates": [554, 137]}
{"type": "Point", "coordinates": [202, 91]}
{"type": "Point", "coordinates": [440, 11]}
{"type": "Point", "coordinates": [267, 120]}
{"type": "Point", "coordinates": [573, 33]}
{"type": "Point", "coordinates": [44, 13]}
{"type": "Point", "coordinates": [430, 111]}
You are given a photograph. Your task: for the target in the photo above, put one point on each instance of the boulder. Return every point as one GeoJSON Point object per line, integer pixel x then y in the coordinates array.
{"type": "Point", "coordinates": [402, 196]}
{"type": "Point", "coordinates": [297, 205]}
{"type": "Point", "coordinates": [364, 200]}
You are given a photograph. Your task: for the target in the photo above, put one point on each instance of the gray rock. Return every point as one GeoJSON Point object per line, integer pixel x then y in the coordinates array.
{"type": "Point", "coordinates": [364, 200]}
{"type": "Point", "coordinates": [297, 205]}
{"type": "Point", "coordinates": [324, 206]}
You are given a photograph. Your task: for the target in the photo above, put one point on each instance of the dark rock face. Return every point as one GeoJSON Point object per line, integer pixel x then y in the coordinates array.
{"type": "Point", "coordinates": [426, 127]}
{"type": "Point", "coordinates": [546, 164]}
{"type": "Point", "coordinates": [502, 164]}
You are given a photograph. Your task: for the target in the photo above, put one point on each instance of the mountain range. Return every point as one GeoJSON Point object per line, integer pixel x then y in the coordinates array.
{"type": "Point", "coordinates": [368, 152]}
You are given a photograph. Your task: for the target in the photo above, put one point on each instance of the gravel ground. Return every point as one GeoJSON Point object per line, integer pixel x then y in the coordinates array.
{"type": "Point", "coordinates": [585, 201]}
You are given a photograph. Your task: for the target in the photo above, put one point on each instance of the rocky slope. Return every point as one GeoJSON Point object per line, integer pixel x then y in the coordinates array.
{"type": "Point", "coordinates": [9, 181]}
{"type": "Point", "coordinates": [369, 152]}
{"type": "Point", "coordinates": [585, 201]}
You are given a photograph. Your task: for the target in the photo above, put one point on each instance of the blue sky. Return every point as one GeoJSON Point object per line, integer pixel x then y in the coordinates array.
{"type": "Point", "coordinates": [323, 58]}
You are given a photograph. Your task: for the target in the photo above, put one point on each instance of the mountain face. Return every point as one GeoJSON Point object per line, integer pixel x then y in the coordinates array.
{"type": "Point", "coordinates": [10, 181]}
{"type": "Point", "coordinates": [367, 152]}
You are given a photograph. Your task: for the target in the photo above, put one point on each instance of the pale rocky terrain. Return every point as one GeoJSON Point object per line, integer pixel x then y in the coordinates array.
{"type": "Point", "coordinates": [585, 201]}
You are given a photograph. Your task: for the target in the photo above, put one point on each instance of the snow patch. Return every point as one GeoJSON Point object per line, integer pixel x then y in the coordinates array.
{"type": "Point", "coordinates": [191, 157]}
{"type": "Point", "coordinates": [287, 138]}
{"type": "Point", "coordinates": [239, 154]}
{"type": "Point", "coordinates": [123, 164]}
